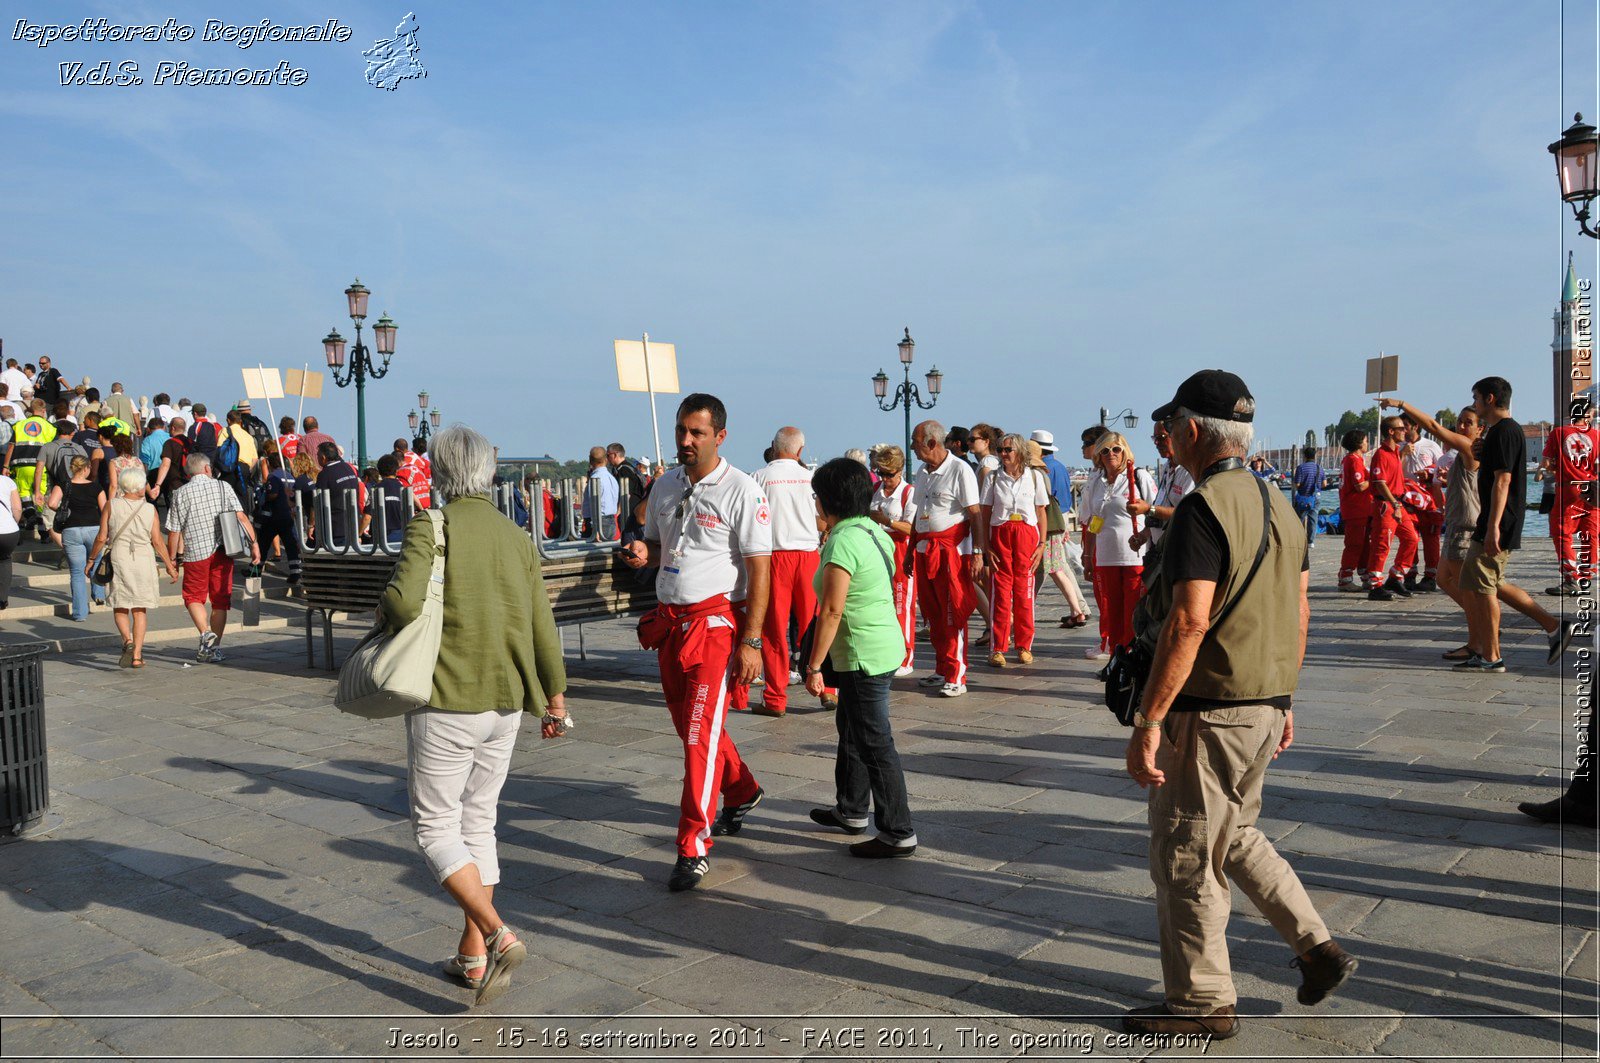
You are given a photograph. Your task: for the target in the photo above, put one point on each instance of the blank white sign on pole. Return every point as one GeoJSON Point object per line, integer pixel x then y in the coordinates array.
{"type": "Point", "coordinates": [262, 383]}
{"type": "Point", "coordinates": [663, 376]}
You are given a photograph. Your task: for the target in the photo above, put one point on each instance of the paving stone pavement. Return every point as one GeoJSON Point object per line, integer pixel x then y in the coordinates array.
{"type": "Point", "coordinates": [235, 856]}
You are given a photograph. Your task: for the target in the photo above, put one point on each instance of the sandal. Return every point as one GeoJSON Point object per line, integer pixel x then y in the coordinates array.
{"type": "Point", "coordinates": [458, 965]}
{"type": "Point", "coordinates": [127, 656]}
{"type": "Point", "coordinates": [138, 662]}
{"type": "Point", "coordinates": [1460, 653]}
{"type": "Point", "coordinates": [506, 953]}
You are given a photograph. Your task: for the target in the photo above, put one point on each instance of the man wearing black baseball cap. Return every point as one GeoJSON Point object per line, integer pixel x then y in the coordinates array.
{"type": "Point", "coordinates": [1224, 619]}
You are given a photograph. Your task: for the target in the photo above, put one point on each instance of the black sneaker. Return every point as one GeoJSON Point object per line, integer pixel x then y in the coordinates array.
{"type": "Point", "coordinates": [1564, 589]}
{"type": "Point", "coordinates": [1427, 585]}
{"type": "Point", "coordinates": [1562, 810]}
{"type": "Point", "coordinates": [1322, 970]}
{"type": "Point", "coordinates": [687, 873]}
{"type": "Point", "coordinates": [829, 817]}
{"type": "Point", "coordinates": [732, 819]}
{"type": "Point", "coordinates": [1560, 639]}
{"type": "Point", "coordinates": [1396, 587]}
{"type": "Point", "coordinates": [1378, 594]}
{"type": "Point", "coordinates": [1411, 581]}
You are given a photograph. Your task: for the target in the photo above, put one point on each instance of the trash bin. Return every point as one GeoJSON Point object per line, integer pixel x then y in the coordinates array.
{"type": "Point", "coordinates": [24, 771]}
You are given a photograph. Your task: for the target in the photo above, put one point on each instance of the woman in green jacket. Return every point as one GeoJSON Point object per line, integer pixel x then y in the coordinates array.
{"type": "Point", "coordinates": [499, 655]}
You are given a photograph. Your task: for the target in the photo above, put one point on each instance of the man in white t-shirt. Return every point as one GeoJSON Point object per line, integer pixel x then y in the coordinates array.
{"type": "Point", "coordinates": [709, 528]}
{"type": "Point", "coordinates": [795, 552]}
{"type": "Point", "coordinates": [948, 559]}
{"type": "Point", "coordinates": [15, 381]}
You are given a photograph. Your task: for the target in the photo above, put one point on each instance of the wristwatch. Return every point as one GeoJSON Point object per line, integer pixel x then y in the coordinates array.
{"type": "Point", "coordinates": [1145, 723]}
{"type": "Point", "coordinates": [753, 643]}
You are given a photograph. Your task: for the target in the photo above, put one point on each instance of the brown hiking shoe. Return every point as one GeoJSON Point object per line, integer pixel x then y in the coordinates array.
{"type": "Point", "coordinates": [1156, 1019]}
{"type": "Point", "coordinates": [1322, 970]}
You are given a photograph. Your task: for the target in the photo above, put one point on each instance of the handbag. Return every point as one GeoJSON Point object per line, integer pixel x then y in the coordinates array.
{"type": "Point", "coordinates": [230, 536]}
{"type": "Point", "coordinates": [1055, 522]}
{"type": "Point", "coordinates": [808, 639]}
{"type": "Point", "coordinates": [104, 572]}
{"type": "Point", "coordinates": [391, 673]}
{"type": "Point", "coordinates": [1128, 670]}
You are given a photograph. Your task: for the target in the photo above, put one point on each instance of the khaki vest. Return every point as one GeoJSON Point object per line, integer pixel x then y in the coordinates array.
{"type": "Point", "coordinates": [1254, 654]}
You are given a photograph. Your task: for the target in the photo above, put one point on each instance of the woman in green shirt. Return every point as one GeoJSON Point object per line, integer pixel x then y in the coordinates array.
{"type": "Point", "coordinates": [859, 636]}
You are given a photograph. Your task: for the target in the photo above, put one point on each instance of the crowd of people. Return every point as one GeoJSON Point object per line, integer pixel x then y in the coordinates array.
{"type": "Point", "coordinates": [128, 488]}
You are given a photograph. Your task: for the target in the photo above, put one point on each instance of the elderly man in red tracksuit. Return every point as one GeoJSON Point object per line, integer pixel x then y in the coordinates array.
{"type": "Point", "coordinates": [948, 539]}
{"type": "Point", "coordinates": [709, 529]}
{"type": "Point", "coordinates": [1388, 517]}
{"type": "Point", "coordinates": [1570, 459]}
{"type": "Point", "coordinates": [796, 546]}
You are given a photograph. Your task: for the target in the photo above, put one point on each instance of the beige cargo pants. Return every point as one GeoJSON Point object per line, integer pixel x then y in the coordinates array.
{"type": "Point", "coordinates": [1202, 835]}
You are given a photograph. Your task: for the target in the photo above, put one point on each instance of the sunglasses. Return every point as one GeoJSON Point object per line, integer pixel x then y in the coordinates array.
{"type": "Point", "coordinates": [1112, 450]}
{"type": "Point", "coordinates": [1007, 450]}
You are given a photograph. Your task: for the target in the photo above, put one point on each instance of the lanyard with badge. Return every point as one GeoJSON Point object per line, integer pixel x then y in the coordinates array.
{"type": "Point", "coordinates": [684, 515]}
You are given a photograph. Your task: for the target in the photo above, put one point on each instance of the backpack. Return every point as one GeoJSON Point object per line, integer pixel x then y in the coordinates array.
{"type": "Point", "coordinates": [227, 453]}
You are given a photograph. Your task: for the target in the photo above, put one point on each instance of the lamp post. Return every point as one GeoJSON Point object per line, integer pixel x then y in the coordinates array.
{"type": "Point", "coordinates": [1575, 169]}
{"type": "Point", "coordinates": [361, 361]}
{"type": "Point", "coordinates": [906, 394]}
{"type": "Point", "coordinates": [419, 425]}
{"type": "Point", "coordinates": [1129, 418]}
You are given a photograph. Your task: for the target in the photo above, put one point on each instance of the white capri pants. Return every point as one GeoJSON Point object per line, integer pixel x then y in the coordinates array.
{"type": "Point", "coordinates": [457, 764]}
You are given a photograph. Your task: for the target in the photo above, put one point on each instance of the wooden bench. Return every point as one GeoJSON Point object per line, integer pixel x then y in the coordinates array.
{"type": "Point", "coordinates": [584, 584]}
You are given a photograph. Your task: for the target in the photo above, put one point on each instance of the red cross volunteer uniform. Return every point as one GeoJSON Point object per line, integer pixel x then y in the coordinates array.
{"type": "Point", "coordinates": [1420, 463]}
{"type": "Point", "coordinates": [795, 545]}
{"type": "Point", "coordinates": [1013, 538]}
{"type": "Point", "coordinates": [900, 505]}
{"type": "Point", "coordinates": [416, 472]}
{"type": "Point", "coordinates": [1571, 452]}
{"type": "Point", "coordinates": [1387, 522]}
{"type": "Point", "coordinates": [1355, 511]}
{"type": "Point", "coordinates": [942, 546]}
{"type": "Point", "coordinates": [706, 531]}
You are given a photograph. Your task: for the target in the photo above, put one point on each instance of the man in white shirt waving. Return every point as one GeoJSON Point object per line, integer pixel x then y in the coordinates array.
{"type": "Point", "coordinates": [796, 543]}
{"type": "Point", "coordinates": [948, 558]}
{"type": "Point", "coordinates": [709, 528]}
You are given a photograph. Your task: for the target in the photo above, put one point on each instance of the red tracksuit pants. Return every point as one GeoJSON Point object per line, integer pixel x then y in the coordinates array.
{"type": "Point", "coordinates": [1357, 534]}
{"type": "Point", "coordinates": [1430, 526]}
{"type": "Point", "coordinates": [947, 602]}
{"type": "Point", "coordinates": [905, 601]}
{"type": "Point", "coordinates": [1011, 584]}
{"type": "Point", "coordinates": [792, 595]}
{"type": "Point", "coordinates": [697, 663]}
{"type": "Point", "coordinates": [1117, 589]}
{"type": "Point", "coordinates": [1386, 527]}
{"type": "Point", "coordinates": [1574, 516]}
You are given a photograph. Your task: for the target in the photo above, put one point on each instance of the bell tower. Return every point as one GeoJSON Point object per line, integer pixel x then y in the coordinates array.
{"type": "Point", "coordinates": [1572, 349]}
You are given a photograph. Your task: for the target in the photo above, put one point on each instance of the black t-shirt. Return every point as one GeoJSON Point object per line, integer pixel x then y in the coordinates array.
{"type": "Point", "coordinates": [391, 493]}
{"type": "Point", "coordinates": [83, 505]}
{"type": "Point", "coordinates": [339, 478]}
{"type": "Point", "coordinates": [1505, 449]}
{"type": "Point", "coordinates": [48, 386]}
{"type": "Point", "coordinates": [1195, 546]}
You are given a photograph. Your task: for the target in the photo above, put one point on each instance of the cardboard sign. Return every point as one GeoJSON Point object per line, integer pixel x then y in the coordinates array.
{"type": "Point", "coordinates": [262, 383]}
{"type": "Point", "coordinates": [303, 384]}
{"type": "Point", "coordinates": [663, 367]}
{"type": "Point", "coordinates": [1383, 374]}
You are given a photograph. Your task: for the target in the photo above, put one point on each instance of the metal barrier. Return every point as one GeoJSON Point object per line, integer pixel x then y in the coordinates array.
{"type": "Point", "coordinates": [24, 754]}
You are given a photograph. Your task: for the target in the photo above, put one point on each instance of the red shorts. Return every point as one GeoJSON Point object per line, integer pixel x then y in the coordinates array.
{"type": "Point", "coordinates": [211, 578]}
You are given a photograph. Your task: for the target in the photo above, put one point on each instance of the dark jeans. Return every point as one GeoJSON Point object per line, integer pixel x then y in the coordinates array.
{"type": "Point", "coordinates": [8, 546]}
{"type": "Point", "coordinates": [868, 764]}
{"type": "Point", "coordinates": [1307, 512]}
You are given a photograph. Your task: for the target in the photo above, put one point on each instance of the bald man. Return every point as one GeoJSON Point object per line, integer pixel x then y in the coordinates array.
{"type": "Point", "coordinates": [949, 540]}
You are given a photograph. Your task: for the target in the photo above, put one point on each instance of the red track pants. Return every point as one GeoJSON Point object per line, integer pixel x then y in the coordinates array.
{"type": "Point", "coordinates": [1430, 526]}
{"type": "Point", "coordinates": [792, 593]}
{"type": "Point", "coordinates": [1575, 515]}
{"type": "Point", "coordinates": [697, 663]}
{"type": "Point", "coordinates": [1386, 527]}
{"type": "Point", "coordinates": [1352, 563]}
{"type": "Point", "coordinates": [1118, 588]}
{"type": "Point", "coordinates": [945, 588]}
{"type": "Point", "coordinates": [905, 600]}
{"type": "Point", "coordinates": [1011, 584]}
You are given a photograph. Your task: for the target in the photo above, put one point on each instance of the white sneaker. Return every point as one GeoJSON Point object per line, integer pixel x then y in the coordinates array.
{"type": "Point", "coordinates": [794, 679]}
{"type": "Point", "coordinates": [953, 690]}
{"type": "Point", "coordinates": [903, 671]}
{"type": "Point", "coordinates": [1095, 653]}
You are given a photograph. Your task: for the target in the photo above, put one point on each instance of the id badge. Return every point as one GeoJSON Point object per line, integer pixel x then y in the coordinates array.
{"type": "Point", "coordinates": [1096, 522]}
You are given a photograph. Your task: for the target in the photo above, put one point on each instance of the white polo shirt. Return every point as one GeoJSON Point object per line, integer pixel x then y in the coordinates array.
{"type": "Point", "coordinates": [899, 505]}
{"type": "Point", "coordinates": [706, 530]}
{"type": "Point", "coordinates": [943, 495]}
{"type": "Point", "coordinates": [787, 485]}
{"type": "Point", "coordinates": [1015, 500]}
{"type": "Point", "coordinates": [1422, 455]}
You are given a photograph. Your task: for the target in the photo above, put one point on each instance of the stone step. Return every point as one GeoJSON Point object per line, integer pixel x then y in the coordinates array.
{"type": "Point", "coordinates": [63, 636]}
{"type": "Point", "coordinates": [35, 597]}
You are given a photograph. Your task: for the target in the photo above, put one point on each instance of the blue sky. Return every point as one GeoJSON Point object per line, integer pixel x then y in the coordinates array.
{"type": "Point", "coordinates": [1070, 204]}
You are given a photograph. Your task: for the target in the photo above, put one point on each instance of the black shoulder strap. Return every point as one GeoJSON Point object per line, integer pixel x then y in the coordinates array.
{"type": "Point", "coordinates": [888, 564]}
{"type": "Point", "coordinates": [1261, 553]}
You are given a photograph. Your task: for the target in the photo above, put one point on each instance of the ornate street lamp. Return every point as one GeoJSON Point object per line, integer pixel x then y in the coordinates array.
{"type": "Point", "coordinates": [423, 426]}
{"type": "Point", "coordinates": [1575, 169]}
{"type": "Point", "coordinates": [1129, 418]}
{"type": "Point", "coordinates": [905, 393]}
{"type": "Point", "coordinates": [361, 365]}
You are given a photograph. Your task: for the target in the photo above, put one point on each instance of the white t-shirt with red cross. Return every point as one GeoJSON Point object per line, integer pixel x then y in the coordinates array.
{"type": "Point", "coordinates": [1012, 501]}
{"type": "Point", "coordinates": [898, 505]}
{"type": "Point", "coordinates": [706, 531]}
{"type": "Point", "coordinates": [787, 485]}
{"type": "Point", "coordinates": [943, 495]}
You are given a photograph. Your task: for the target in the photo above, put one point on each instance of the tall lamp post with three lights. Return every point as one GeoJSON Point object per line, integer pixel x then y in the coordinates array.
{"type": "Point", "coordinates": [361, 363]}
{"type": "Point", "coordinates": [419, 425]}
{"type": "Point", "coordinates": [905, 393]}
